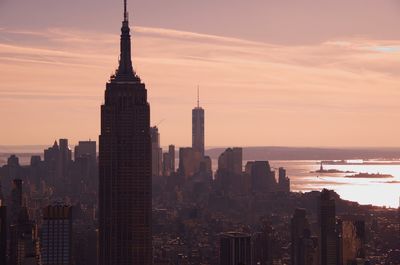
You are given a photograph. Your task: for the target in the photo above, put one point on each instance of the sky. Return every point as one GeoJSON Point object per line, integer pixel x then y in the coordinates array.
{"type": "Point", "coordinates": [271, 72]}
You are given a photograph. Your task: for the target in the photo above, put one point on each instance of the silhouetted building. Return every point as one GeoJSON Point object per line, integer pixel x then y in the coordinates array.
{"type": "Point", "coordinates": [56, 235]}
{"type": "Point", "coordinates": [198, 128]}
{"type": "Point", "coordinates": [229, 175]}
{"type": "Point", "coordinates": [304, 248]}
{"type": "Point", "coordinates": [3, 233]}
{"type": "Point", "coordinates": [263, 246]}
{"type": "Point", "coordinates": [329, 251]}
{"type": "Point", "coordinates": [235, 248]}
{"type": "Point", "coordinates": [189, 161]}
{"type": "Point", "coordinates": [52, 163]}
{"type": "Point", "coordinates": [24, 245]}
{"type": "Point", "coordinates": [298, 225]}
{"type": "Point", "coordinates": [284, 181]}
{"type": "Point", "coordinates": [125, 195]}
{"type": "Point", "coordinates": [171, 152]}
{"type": "Point", "coordinates": [156, 152]}
{"type": "Point", "coordinates": [262, 177]}
{"type": "Point", "coordinates": [86, 149]}
{"type": "Point", "coordinates": [16, 200]}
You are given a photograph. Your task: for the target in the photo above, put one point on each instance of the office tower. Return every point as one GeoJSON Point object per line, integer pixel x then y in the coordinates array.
{"type": "Point", "coordinates": [156, 152]}
{"type": "Point", "coordinates": [166, 161]}
{"type": "Point", "coordinates": [229, 173]}
{"type": "Point", "coordinates": [262, 177]}
{"type": "Point", "coordinates": [24, 245]}
{"type": "Point", "coordinates": [263, 246]}
{"type": "Point", "coordinates": [56, 235]}
{"type": "Point", "coordinates": [235, 248]}
{"type": "Point", "coordinates": [16, 200]}
{"type": "Point", "coordinates": [86, 149]}
{"type": "Point", "coordinates": [198, 127]}
{"type": "Point", "coordinates": [36, 170]}
{"type": "Point", "coordinates": [3, 233]}
{"type": "Point", "coordinates": [284, 181]}
{"type": "Point", "coordinates": [298, 226]}
{"type": "Point", "coordinates": [52, 164]}
{"type": "Point", "coordinates": [125, 235]}
{"type": "Point", "coordinates": [13, 167]}
{"type": "Point", "coordinates": [189, 162]}
{"type": "Point", "coordinates": [171, 152]}
{"type": "Point", "coordinates": [351, 232]}
{"type": "Point", "coordinates": [328, 235]}
{"type": "Point", "coordinates": [85, 167]}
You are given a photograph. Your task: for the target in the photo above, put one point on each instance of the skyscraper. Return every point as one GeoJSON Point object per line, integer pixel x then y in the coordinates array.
{"type": "Point", "coordinates": [3, 233]}
{"type": "Point", "coordinates": [328, 233]}
{"type": "Point", "coordinates": [156, 152]}
{"type": "Point", "coordinates": [198, 127]}
{"type": "Point", "coordinates": [235, 249]}
{"type": "Point", "coordinates": [125, 165]}
{"type": "Point", "coordinates": [56, 235]}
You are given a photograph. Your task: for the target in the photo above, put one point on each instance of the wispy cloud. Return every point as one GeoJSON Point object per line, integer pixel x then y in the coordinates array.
{"type": "Point", "coordinates": [344, 83]}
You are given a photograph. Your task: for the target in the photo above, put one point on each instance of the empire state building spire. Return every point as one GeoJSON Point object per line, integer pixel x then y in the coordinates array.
{"type": "Point", "coordinates": [125, 70]}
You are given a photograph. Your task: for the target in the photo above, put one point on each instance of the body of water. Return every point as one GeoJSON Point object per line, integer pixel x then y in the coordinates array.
{"type": "Point", "coordinates": [375, 191]}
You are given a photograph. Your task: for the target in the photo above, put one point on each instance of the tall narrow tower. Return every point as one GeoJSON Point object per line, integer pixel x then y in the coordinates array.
{"type": "Point", "coordinates": [198, 126]}
{"type": "Point", "coordinates": [125, 166]}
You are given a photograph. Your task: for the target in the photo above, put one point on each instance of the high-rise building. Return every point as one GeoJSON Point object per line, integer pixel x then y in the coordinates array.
{"type": "Point", "coordinates": [3, 234]}
{"type": "Point", "coordinates": [24, 245]}
{"type": "Point", "coordinates": [86, 149]}
{"type": "Point", "coordinates": [352, 239]}
{"type": "Point", "coordinates": [56, 235]}
{"type": "Point", "coordinates": [125, 196]}
{"type": "Point", "coordinates": [263, 246]}
{"type": "Point", "coordinates": [16, 200]}
{"type": "Point", "coordinates": [329, 250]}
{"type": "Point", "coordinates": [156, 152]}
{"type": "Point", "coordinates": [171, 152]}
{"type": "Point", "coordinates": [262, 177]}
{"type": "Point", "coordinates": [235, 248]}
{"type": "Point", "coordinates": [198, 128]}
{"type": "Point", "coordinates": [229, 174]}
{"type": "Point", "coordinates": [189, 161]}
{"type": "Point", "coordinates": [304, 247]}
{"type": "Point", "coordinates": [284, 181]}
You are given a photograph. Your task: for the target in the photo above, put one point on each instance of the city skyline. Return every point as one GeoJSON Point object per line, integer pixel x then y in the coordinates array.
{"type": "Point", "coordinates": [258, 82]}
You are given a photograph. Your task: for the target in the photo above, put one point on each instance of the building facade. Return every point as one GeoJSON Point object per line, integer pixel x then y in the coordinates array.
{"type": "Point", "coordinates": [56, 235]}
{"type": "Point", "coordinates": [125, 236]}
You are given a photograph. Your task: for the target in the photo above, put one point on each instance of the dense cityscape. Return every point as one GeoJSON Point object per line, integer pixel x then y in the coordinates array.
{"type": "Point", "coordinates": [126, 200]}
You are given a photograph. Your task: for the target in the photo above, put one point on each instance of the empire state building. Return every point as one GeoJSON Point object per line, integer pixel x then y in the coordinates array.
{"type": "Point", "coordinates": [125, 236]}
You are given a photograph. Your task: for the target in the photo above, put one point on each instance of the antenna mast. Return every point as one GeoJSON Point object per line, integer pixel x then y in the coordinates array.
{"type": "Point", "coordinates": [198, 96]}
{"type": "Point", "coordinates": [125, 11]}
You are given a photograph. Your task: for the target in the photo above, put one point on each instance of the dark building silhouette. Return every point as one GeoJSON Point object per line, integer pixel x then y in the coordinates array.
{"type": "Point", "coordinates": [298, 225]}
{"type": "Point", "coordinates": [304, 247]}
{"type": "Point", "coordinates": [263, 246]}
{"type": "Point", "coordinates": [16, 200]}
{"type": "Point", "coordinates": [229, 174]}
{"type": "Point", "coordinates": [198, 128]}
{"type": "Point", "coordinates": [86, 149]}
{"type": "Point", "coordinates": [189, 161]}
{"type": "Point", "coordinates": [3, 233]}
{"type": "Point", "coordinates": [284, 181]}
{"type": "Point", "coordinates": [24, 245]}
{"type": "Point", "coordinates": [262, 177]}
{"type": "Point", "coordinates": [235, 248]}
{"type": "Point", "coordinates": [125, 196]}
{"type": "Point", "coordinates": [329, 251]}
{"type": "Point", "coordinates": [171, 152]}
{"type": "Point", "coordinates": [56, 235]}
